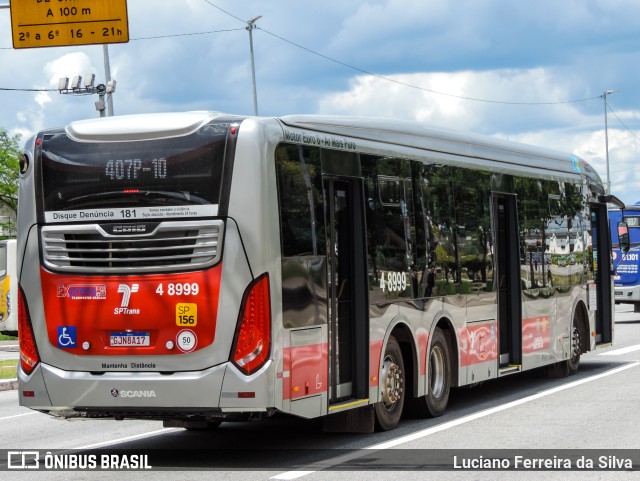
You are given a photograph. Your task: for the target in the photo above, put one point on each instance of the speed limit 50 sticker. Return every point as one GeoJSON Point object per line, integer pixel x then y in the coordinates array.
{"type": "Point", "coordinates": [187, 340]}
{"type": "Point", "coordinates": [186, 314]}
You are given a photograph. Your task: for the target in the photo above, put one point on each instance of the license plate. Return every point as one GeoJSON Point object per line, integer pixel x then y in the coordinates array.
{"type": "Point", "coordinates": [117, 339]}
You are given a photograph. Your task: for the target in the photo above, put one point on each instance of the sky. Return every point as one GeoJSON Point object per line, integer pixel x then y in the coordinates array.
{"type": "Point", "coordinates": [523, 70]}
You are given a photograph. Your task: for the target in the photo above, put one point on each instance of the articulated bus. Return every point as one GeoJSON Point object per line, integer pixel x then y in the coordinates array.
{"type": "Point", "coordinates": [627, 275]}
{"type": "Point", "coordinates": [199, 267]}
{"type": "Point", "coordinates": [8, 288]}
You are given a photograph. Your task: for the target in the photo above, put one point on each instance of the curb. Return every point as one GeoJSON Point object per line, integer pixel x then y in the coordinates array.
{"type": "Point", "coordinates": [8, 385]}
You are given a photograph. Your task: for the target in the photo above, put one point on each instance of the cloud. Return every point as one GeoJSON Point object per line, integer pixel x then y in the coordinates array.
{"type": "Point", "coordinates": [69, 65]}
{"type": "Point", "coordinates": [567, 127]}
{"type": "Point", "coordinates": [446, 99]}
{"type": "Point", "coordinates": [310, 58]}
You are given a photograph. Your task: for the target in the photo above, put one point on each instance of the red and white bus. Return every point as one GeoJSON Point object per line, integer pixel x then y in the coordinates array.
{"type": "Point", "coordinates": [200, 267]}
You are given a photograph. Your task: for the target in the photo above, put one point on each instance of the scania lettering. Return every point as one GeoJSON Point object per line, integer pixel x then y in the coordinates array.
{"type": "Point", "coordinates": [344, 268]}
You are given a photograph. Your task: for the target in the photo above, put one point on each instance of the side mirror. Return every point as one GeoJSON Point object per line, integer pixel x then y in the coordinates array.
{"type": "Point", "coordinates": [623, 237]}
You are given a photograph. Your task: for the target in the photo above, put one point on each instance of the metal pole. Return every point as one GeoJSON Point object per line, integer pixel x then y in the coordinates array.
{"type": "Point", "coordinates": [606, 142]}
{"type": "Point", "coordinates": [107, 76]}
{"type": "Point", "coordinates": [101, 100]}
{"type": "Point", "coordinates": [606, 136]}
{"type": "Point", "coordinates": [250, 26]}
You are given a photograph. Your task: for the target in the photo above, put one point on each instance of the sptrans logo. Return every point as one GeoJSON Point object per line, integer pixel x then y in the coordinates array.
{"type": "Point", "coordinates": [126, 292]}
{"type": "Point", "coordinates": [83, 291]}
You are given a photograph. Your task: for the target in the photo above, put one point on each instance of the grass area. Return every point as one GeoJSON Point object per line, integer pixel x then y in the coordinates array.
{"type": "Point", "coordinates": [7, 338]}
{"type": "Point", "coordinates": [9, 369]}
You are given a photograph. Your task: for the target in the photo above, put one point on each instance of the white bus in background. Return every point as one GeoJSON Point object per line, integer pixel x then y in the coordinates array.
{"type": "Point", "coordinates": [8, 288]}
{"type": "Point", "coordinates": [200, 267]}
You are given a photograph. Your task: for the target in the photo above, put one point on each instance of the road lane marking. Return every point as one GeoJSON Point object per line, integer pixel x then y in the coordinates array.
{"type": "Point", "coordinates": [18, 415]}
{"type": "Point", "coordinates": [621, 351]}
{"type": "Point", "coordinates": [129, 438]}
{"type": "Point", "coordinates": [312, 468]}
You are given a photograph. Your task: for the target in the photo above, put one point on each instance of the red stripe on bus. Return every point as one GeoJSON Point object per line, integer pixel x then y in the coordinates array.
{"type": "Point", "coordinates": [375, 353]}
{"type": "Point", "coordinates": [423, 344]}
{"type": "Point", "coordinates": [481, 343]}
{"type": "Point", "coordinates": [308, 369]}
{"type": "Point", "coordinates": [536, 334]}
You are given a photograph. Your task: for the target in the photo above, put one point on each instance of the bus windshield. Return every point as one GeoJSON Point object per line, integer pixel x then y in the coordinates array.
{"type": "Point", "coordinates": [178, 171]}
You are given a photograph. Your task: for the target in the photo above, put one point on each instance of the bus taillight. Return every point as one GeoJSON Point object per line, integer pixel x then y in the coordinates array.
{"type": "Point", "coordinates": [253, 336]}
{"type": "Point", "coordinates": [29, 357]}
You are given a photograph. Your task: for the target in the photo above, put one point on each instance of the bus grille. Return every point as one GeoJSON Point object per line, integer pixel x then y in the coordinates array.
{"type": "Point", "coordinates": [172, 246]}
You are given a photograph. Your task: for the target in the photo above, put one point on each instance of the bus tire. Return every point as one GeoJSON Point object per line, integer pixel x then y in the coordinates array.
{"type": "Point", "coordinates": [392, 382]}
{"type": "Point", "coordinates": [439, 374]}
{"type": "Point", "coordinates": [434, 403]}
{"type": "Point", "coordinates": [570, 366]}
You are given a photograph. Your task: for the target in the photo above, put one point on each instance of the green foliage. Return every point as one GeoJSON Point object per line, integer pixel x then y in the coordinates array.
{"type": "Point", "coordinates": [8, 369]}
{"type": "Point", "coordinates": [9, 172]}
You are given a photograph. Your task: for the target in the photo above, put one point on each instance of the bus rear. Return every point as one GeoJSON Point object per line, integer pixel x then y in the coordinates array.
{"type": "Point", "coordinates": [122, 312]}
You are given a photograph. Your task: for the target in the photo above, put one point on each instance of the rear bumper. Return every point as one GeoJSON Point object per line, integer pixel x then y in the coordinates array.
{"type": "Point", "coordinates": [211, 392]}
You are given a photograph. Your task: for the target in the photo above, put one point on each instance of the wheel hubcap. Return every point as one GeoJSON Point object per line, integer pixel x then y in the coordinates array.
{"type": "Point", "coordinates": [392, 383]}
{"type": "Point", "coordinates": [575, 343]}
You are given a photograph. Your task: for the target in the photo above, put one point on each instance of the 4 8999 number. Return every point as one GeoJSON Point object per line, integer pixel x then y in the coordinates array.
{"type": "Point", "coordinates": [179, 289]}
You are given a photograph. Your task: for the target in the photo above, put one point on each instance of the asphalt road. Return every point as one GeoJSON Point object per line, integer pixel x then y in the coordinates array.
{"type": "Point", "coordinates": [586, 414]}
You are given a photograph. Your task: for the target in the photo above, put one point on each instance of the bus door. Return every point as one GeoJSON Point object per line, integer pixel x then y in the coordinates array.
{"type": "Point", "coordinates": [508, 282]}
{"type": "Point", "coordinates": [347, 289]}
{"type": "Point", "coordinates": [600, 301]}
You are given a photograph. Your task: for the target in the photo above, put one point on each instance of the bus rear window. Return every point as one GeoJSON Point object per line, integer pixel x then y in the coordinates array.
{"type": "Point", "coordinates": [151, 176]}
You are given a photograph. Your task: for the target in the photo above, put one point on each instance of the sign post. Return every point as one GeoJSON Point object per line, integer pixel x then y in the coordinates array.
{"type": "Point", "coordinates": [56, 23]}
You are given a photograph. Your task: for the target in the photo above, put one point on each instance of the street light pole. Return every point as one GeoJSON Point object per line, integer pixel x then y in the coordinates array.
{"type": "Point", "coordinates": [606, 135]}
{"type": "Point", "coordinates": [107, 77]}
{"type": "Point", "coordinates": [250, 26]}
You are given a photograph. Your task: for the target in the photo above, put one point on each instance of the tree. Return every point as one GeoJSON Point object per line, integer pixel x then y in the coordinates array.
{"type": "Point", "coordinates": [9, 172]}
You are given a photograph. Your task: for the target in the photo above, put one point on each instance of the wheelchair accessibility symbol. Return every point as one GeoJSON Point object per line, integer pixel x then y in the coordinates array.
{"type": "Point", "coordinates": [66, 337]}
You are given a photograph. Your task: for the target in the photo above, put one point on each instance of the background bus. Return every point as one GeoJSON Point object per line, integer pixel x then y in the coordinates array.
{"type": "Point", "coordinates": [8, 288]}
{"type": "Point", "coordinates": [198, 268]}
{"type": "Point", "coordinates": [627, 274]}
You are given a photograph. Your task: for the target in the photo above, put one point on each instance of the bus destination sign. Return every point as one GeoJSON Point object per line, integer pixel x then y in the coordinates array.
{"type": "Point", "coordinates": [56, 23]}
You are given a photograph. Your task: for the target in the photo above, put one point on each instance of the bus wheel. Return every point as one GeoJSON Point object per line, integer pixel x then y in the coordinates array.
{"type": "Point", "coordinates": [439, 375]}
{"type": "Point", "coordinates": [576, 346]}
{"type": "Point", "coordinates": [389, 410]}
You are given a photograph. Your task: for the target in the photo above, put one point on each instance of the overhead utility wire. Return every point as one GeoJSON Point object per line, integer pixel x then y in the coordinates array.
{"type": "Point", "coordinates": [623, 124]}
{"type": "Point", "coordinates": [628, 130]}
{"type": "Point", "coordinates": [187, 34]}
{"type": "Point", "coordinates": [357, 69]}
{"type": "Point", "coordinates": [382, 77]}
{"type": "Point", "coordinates": [169, 35]}
{"type": "Point", "coordinates": [132, 39]}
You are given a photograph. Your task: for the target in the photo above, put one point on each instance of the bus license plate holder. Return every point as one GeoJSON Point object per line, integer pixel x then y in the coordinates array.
{"type": "Point", "coordinates": [129, 339]}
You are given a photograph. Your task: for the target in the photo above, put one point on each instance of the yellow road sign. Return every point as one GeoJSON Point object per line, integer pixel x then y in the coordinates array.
{"type": "Point", "coordinates": [55, 23]}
